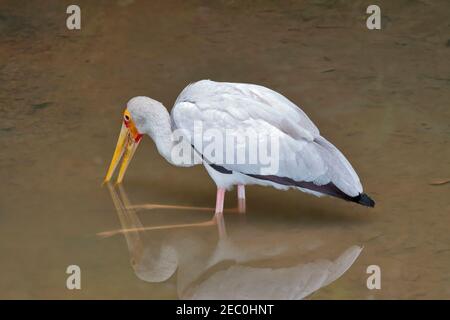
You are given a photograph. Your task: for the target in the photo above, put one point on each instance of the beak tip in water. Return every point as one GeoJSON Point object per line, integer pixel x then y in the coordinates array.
{"type": "Point", "coordinates": [125, 148]}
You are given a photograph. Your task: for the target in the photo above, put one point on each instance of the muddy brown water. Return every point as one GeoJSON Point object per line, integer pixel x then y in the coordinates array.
{"type": "Point", "coordinates": [382, 97]}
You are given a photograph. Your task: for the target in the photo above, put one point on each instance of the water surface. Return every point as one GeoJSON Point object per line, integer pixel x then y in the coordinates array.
{"type": "Point", "coordinates": [382, 97]}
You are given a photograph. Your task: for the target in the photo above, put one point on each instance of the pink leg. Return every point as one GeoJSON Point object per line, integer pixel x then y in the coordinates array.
{"type": "Point", "coordinates": [219, 212]}
{"type": "Point", "coordinates": [219, 200]}
{"type": "Point", "coordinates": [241, 198]}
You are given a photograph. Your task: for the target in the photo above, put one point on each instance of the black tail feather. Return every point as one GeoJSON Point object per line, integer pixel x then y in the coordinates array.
{"type": "Point", "coordinates": [328, 189]}
{"type": "Point", "coordinates": [364, 199]}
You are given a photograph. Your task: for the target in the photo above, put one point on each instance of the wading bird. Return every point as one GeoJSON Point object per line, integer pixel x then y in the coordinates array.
{"type": "Point", "coordinates": [306, 160]}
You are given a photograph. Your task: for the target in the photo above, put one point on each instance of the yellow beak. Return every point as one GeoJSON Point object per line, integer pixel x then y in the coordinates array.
{"type": "Point", "coordinates": [126, 146]}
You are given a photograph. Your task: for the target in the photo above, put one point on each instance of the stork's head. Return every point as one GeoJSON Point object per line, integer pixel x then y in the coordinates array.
{"type": "Point", "coordinates": [139, 118]}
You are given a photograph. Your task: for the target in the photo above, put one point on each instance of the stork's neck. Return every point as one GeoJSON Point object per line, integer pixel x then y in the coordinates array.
{"type": "Point", "coordinates": [160, 130]}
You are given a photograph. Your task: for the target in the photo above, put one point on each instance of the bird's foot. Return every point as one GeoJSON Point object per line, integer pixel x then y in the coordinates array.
{"type": "Point", "coordinates": [107, 234]}
{"type": "Point", "coordinates": [151, 206]}
{"type": "Point", "coordinates": [217, 220]}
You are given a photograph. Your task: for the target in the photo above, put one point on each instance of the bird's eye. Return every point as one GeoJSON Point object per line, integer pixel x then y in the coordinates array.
{"type": "Point", "coordinates": [126, 118]}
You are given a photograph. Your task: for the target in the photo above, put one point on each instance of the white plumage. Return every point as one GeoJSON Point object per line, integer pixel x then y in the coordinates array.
{"type": "Point", "coordinates": [304, 154]}
{"type": "Point", "coordinates": [306, 160]}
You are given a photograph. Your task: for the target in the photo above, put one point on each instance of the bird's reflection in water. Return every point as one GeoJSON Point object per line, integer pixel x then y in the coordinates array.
{"type": "Point", "coordinates": [155, 263]}
{"type": "Point", "coordinates": [242, 265]}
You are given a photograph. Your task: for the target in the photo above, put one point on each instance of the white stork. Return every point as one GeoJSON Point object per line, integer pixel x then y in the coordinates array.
{"type": "Point", "coordinates": [306, 160]}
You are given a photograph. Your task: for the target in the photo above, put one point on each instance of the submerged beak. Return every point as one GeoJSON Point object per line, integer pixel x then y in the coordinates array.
{"type": "Point", "coordinates": [128, 141]}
